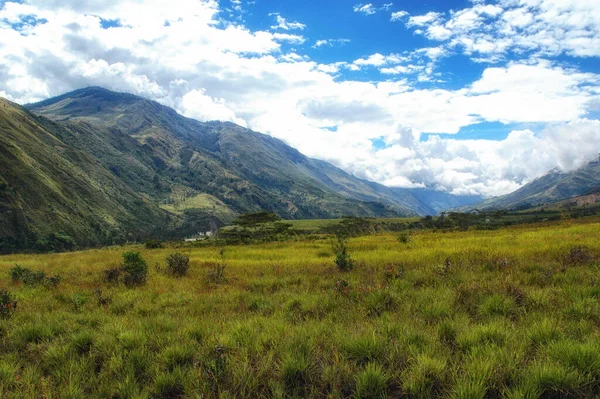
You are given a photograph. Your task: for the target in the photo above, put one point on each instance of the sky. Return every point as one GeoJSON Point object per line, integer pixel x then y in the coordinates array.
{"type": "Point", "coordinates": [468, 97]}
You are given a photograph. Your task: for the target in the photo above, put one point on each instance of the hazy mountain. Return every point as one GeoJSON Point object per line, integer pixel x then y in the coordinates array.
{"type": "Point", "coordinates": [552, 187]}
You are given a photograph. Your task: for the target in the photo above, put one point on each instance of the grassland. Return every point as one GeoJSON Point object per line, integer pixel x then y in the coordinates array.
{"type": "Point", "coordinates": [506, 313]}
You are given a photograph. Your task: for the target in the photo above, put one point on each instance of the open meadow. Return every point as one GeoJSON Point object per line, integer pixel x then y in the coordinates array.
{"type": "Point", "coordinates": [508, 313]}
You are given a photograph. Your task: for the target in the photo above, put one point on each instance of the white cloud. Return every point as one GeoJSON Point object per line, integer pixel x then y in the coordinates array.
{"type": "Point", "coordinates": [543, 27]}
{"type": "Point", "coordinates": [284, 24]}
{"type": "Point", "coordinates": [367, 9]}
{"type": "Point", "coordinates": [426, 19]}
{"type": "Point", "coordinates": [286, 37]}
{"type": "Point", "coordinates": [330, 42]}
{"type": "Point", "coordinates": [398, 15]}
{"type": "Point", "coordinates": [198, 105]}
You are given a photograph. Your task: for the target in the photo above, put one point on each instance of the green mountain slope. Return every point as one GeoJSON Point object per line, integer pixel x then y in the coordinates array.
{"type": "Point", "coordinates": [50, 187]}
{"type": "Point", "coordinates": [173, 159]}
{"type": "Point", "coordinates": [550, 188]}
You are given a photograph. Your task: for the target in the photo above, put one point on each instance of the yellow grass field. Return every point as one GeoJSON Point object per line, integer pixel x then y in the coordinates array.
{"type": "Point", "coordinates": [507, 313]}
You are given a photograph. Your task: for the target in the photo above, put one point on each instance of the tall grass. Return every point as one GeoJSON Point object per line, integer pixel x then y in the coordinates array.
{"type": "Point", "coordinates": [506, 313]}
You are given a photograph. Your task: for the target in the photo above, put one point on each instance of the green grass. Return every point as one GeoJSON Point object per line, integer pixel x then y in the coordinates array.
{"type": "Point", "coordinates": [507, 316]}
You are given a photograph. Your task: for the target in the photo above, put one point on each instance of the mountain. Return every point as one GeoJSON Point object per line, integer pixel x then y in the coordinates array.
{"type": "Point", "coordinates": [245, 170]}
{"type": "Point", "coordinates": [97, 165]}
{"type": "Point", "coordinates": [48, 186]}
{"type": "Point", "coordinates": [552, 187]}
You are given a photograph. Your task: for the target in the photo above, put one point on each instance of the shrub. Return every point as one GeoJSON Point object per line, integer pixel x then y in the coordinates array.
{"type": "Point", "coordinates": [153, 244]}
{"type": "Point", "coordinates": [178, 264]}
{"type": "Point", "coordinates": [216, 274]}
{"type": "Point", "coordinates": [17, 273]}
{"type": "Point", "coordinates": [343, 261]}
{"type": "Point", "coordinates": [112, 275]}
{"type": "Point", "coordinates": [577, 256]}
{"type": "Point", "coordinates": [134, 268]}
{"type": "Point", "coordinates": [33, 278]}
{"type": "Point", "coordinates": [393, 272]}
{"type": "Point", "coordinates": [7, 304]}
{"type": "Point", "coordinates": [342, 287]}
{"type": "Point", "coordinates": [404, 237]}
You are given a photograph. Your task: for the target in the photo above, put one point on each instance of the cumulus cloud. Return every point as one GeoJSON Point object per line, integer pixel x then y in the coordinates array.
{"type": "Point", "coordinates": [183, 56]}
{"type": "Point", "coordinates": [282, 23]}
{"type": "Point", "coordinates": [367, 9]}
{"type": "Point", "coordinates": [542, 27]}
{"type": "Point", "coordinates": [398, 15]}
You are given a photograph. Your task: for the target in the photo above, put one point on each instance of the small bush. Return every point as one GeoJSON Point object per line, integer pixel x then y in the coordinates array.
{"type": "Point", "coordinates": [393, 272]}
{"type": "Point", "coordinates": [153, 244]}
{"type": "Point", "coordinates": [135, 269]}
{"type": "Point", "coordinates": [112, 275]}
{"type": "Point", "coordinates": [17, 273]}
{"type": "Point", "coordinates": [216, 274]}
{"type": "Point", "coordinates": [178, 264]}
{"type": "Point", "coordinates": [7, 304]}
{"type": "Point", "coordinates": [342, 287]}
{"type": "Point", "coordinates": [404, 237]}
{"type": "Point", "coordinates": [577, 256]}
{"type": "Point", "coordinates": [33, 278]}
{"type": "Point", "coordinates": [343, 261]}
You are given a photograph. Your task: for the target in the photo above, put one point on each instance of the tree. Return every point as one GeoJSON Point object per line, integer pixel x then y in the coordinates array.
{"type": "Point", "coordinates": [249, 220]}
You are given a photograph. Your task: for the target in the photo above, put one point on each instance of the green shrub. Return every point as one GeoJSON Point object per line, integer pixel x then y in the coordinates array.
{"type": "Point", "coordinates": [178, 264]}
{"type": "Point", "coordinates": [216, 274]}
{"type": "Point", "coordinates": [7, 304]}
{"type": "Point", "coordinates": [404, 237]}
{"type": "Point", "coordinates": [17, 273]}
{"type": "Point", "coordinates": [343, 261]}
{"type": "Point", "coordinates": [153, 244]}
{"type": "Point", "coordinates": [33, 278]}
{"type": "Point", "coordinates": [135, 269]}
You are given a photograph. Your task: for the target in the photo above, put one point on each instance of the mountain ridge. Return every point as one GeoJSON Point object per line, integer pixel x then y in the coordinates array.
{"type": "Point", "coordinates": [554, 186]}
{"type": "Point", "coordinates": [198, 134]}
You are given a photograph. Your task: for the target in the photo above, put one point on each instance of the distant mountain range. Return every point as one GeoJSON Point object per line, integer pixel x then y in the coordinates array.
{"type": "Point", "coordinates": [550, 188]}
{"type": "Point", "coordinates": [101, 166]}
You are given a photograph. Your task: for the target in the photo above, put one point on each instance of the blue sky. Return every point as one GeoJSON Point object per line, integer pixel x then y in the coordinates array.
{"type": "Point", "coordinates": [463, 96]}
